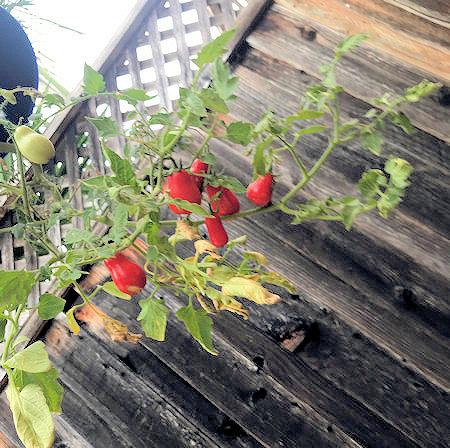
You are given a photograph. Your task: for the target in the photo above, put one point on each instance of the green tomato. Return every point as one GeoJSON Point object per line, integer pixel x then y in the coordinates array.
{"type": "Point", "coordinates": [33, 146]}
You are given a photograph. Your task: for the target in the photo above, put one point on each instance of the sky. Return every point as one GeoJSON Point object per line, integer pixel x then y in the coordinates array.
{"type": "Point", "coordinates": [65, 52]}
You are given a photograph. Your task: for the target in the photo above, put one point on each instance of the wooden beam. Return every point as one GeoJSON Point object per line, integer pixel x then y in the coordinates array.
{"type": "Point", "coordinates": [337, 16]}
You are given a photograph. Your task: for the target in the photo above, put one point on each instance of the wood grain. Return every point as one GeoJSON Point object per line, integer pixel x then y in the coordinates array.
{"type": "Point", "coordinates": [364, 73]}
{"type": "Point", "coordinates": [337, 16]}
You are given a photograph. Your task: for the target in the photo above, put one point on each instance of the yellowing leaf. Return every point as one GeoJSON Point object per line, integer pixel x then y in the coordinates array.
{"type": "Point", "coordinates": [279, 280]}
{"type": "Point", "coordinates": [33, 359]}
{"type": "Point", "coordinates": [256, 256]}
{"type": "Point", "coordinates": [32, 418]}
{"type": "Point", "coordinates": [118, 331]}
{"type": "Point", "coordinates": [250, 289]}
{"type": "Point", "coordinates": [205, 247]}
{"type": "Point", "coordinates": [72, 323]}
{"type": "Point", "coordinates": [112, 289]}
{"type": "Point", "coordinates": [187, 231]}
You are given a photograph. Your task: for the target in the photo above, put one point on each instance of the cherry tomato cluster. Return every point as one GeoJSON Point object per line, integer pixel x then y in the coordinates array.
{"type": "Point", "coordinates": [223, 202]}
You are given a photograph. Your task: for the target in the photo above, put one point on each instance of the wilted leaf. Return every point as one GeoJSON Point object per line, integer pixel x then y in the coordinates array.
{"type": "Point", "coordinates": [250, 289]}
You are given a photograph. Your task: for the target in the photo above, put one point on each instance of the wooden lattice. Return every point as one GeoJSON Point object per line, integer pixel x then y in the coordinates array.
{"type": "Point", "coordinates": [153, 54]}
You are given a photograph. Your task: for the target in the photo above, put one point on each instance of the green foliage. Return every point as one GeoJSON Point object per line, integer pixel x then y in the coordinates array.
{"type": "Point", "coordinates": [93, 82]}
{"type": "Point", "coordinates": [50, 306]}
{"type": "Point", "coordinates": [199, 325]}
{"type": "Point", "coordinates": [154, 318]}
{"type": "Point", "coordinates": [33, 359]}
{"type": "Point", "coordinates": [32, 417]}
{"type": "Point", "coordinates": [131, 198]}
{"type": "Point", "coordinates": [47, 382]}
{"type": "Point", "coordinates": [15, 287]}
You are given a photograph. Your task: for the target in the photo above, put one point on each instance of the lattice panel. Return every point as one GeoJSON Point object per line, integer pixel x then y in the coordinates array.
{"type": "Point", "coordinates": [158, 59]}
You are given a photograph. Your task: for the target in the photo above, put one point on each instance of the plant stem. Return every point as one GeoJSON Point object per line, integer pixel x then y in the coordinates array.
{"type": "Point", "coordinates": [13, 334]}
{"type": "Point", "coordinates": [23, 183]}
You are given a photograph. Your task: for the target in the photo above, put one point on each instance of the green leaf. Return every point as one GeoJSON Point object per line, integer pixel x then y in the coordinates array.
{"type": "Point", "coordinates": [47, 381]}
{"type": "Point", "coordinates": [370, 183]}
{"type": "Point", "coordinates": [33, 359]}
{"type": "Point", "coordinates": [372, 141]}
{"type": "Point", "coordinates": [106, 127]}
{"type": "Point", "coordinates": [402, 121]}
{"type": "Point", "coordinates": [15, 287]}
{"type": "Point", "coordinates": [232, 184]}
{"type": "Point", "coordinates": [304, 115]}
{"type": "Point", "coordinates": [98, 183]}
{"type": "Point", "coordinates": [50, 306]}
{"type": "Point", "coordinates": [190, 101]}
{"type": "Point", "coordinates": [223, 84]}
{"type": "Point", "coordinates": [120, 220]}
{"type": "Point", "coordinates": [32, 418]}
{"type": "Point", "coordinates": [154, 318]}
{"type": "Point", "coordinates": [18, 230]}
{"type": "Point", "coordinates": [311, 130]}
{"type": "Point", "coordinates": [399, 171]}
{"type": "Point", "coordinates": [259, 161]}
{"type": "Point", "coordinates": [161, 118]}
{"type": "Point", "coordinates": [199, 325]}
{"type": "Point", "coordinates": [424, 88]}
{"type": "Point", "coordinates": [133, 96]}
{"type": "Point", "coordinates": [392, 196]}
{"type": "Point", "coordinates": [8, 96]}
{"type": "Point", "coordinates": [211, 51]}
{"type": "Point", "coordinates": [350, 43]}
{"type": "Point", "coordinates": [122, 168]}
{"type": "Point", "coordinates": [211, 100]}
{"type": "Point", "coordinates": [3, 323]}
{"type": "Point", "coordinates": [350, 210]}
{"type": "Point", "coordinates": [74, 236]}
{"type": "Point", "coordinates": [240, 132]}
{"type": "Point", "coordinates": [53, 99]}
{"type": "Point", "coordinates": [92, 81]}
{"type": "Point", "coordinates": [186, 205]}
{"type": "Point", "coordinates": [112, 289]}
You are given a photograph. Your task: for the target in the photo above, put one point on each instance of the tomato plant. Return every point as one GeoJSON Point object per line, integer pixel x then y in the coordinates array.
{"type": "Point", "coordinates": [131, 206]}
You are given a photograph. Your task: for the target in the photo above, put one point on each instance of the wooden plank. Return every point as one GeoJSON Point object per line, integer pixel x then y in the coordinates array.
{"type": "Point", "coordinates": [436, 10]}
{"type": "Point", "coordinates": [402, 22]}
{"type": "Point", "coordinates": [314, 404]}
{"type": "Point", "coordinates": [331, 346]}
{"type": "Point", "coordinates": [364, 73]}
{"type": "Point", "coordinates": [116, 143]}
{"type": "Point", "coordinates": [362, 260]}
{"type": "Point", "coordinates": [110, 388]}
{"type": "Point", "coordinates": [154, 40]}
{"type": "Point", "coordinates": [169, 386]}
{"type": "Point", "coordinates": [73, 174]}
{"type": "Point", "coordinates": [335, 15]}
{"type": "Point", "coordinates": [203, 20]}
{"type": "Point", "coordinates": [428, 155]}
{"type": "Point", "coordinates": [94, 146]}
{"type": "Point", "coordinates": [103, 64]}
{"type": "Point", "coordinates": [182, 48]}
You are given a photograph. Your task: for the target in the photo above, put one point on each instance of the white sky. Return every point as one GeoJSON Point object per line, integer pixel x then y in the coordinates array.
{"type": "Point", "coordinates": [99, 20]}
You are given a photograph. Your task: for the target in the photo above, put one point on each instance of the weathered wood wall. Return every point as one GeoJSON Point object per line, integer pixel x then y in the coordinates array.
{"type": "Point", "coordinates": [359, 358]}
